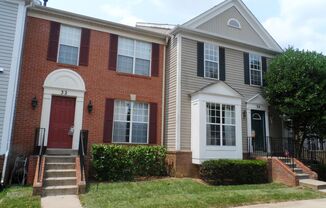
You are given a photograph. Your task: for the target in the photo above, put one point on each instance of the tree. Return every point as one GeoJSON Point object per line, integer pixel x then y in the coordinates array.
{"type": "Point", "coordinates": [296, 88]}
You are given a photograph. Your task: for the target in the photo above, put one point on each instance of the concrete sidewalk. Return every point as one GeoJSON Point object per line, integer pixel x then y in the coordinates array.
{"type": "Point", "coordinates": [66, 201]}
{"type": "Point", "coordinates": [316, 203]}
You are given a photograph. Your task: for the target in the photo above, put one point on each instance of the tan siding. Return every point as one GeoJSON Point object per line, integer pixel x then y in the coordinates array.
{"type": "Point", "coordinates": [190, 83]}
{"type": "Point", "coordinates": [170, 97]}
{"type": "Point", "coordinates": [218, 25]}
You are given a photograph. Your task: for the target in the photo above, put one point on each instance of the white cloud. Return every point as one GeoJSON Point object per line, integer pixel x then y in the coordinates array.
{"type": "Point", "coordinates": [300, 24]}
{"type": "Point", "coordinates": [121, 14]}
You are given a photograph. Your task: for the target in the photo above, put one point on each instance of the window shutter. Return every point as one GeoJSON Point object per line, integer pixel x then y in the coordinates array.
{"type": "Point", "coordinates": [264, 65]}
{"type": "Point", "coordinates": [155, 59]}
{"type": "Point", "coordinates": [84, 47]}
{"type": "Point", "coordinates": [113, 52]}
{"type": "Point", "coordinates": [222, 63]}
{"type": "Point", "coordinates": [200, 59]}
{"type": "Point", "coordinates": [108, 121]}
{"type": "Point", "coordinates": [53, 41]}
{"type": "Point", "coordinates": [153, 124]}
{"type": "Point", "coordinates": [246, 68]}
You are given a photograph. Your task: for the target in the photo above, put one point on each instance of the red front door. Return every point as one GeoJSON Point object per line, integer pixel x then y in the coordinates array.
{"type": "Point", "coordinates": [61, 120]}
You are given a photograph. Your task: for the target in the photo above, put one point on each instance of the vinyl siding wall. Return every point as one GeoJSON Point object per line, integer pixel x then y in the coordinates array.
{"type": "Point", "coordinates": [8, 18]}
{"type": "Point", "coordinates": [190, 83]}
{"type": "Point", "coordinates": [218, 25]}
{"type": "Point", "coordinates": [170, 97]}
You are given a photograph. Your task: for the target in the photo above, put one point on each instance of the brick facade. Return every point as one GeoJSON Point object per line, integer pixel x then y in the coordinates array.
{"type": "Point", "coordinates": [101, 83]}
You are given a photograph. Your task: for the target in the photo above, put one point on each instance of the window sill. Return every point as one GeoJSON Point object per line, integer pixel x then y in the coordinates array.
{"type": "Point", "coordinates": [133, 75]}
{"type": "Point", "coordinates": [129, 144]}
{"type": "Point", "coordinates": [256, 86]}
{"type": "Point", "coordinates": [212, 79]}
{"type": "Point", "coordinates": [221, 148]}
{"type": "Point", "coordinates": [68, 65]}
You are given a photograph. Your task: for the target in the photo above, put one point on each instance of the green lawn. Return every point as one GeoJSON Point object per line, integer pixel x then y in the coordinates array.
{"type": "Point", "coordinates": [16, 197]}
{"type": "Point", "coordinates": [188, 193]}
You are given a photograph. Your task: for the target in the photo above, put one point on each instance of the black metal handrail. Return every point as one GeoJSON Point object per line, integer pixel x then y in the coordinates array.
{"type": "Point", "coordinates": [40, 148]}
{"type": "Point", "coordinates": [282, 148]}
{"type": "Point", "coordinates": [82, 151]}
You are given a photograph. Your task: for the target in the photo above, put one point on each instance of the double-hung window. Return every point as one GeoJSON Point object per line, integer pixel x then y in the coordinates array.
{"type": "Point", "coordinates": [255, 67]}
{"type": "Point", "coordinates": [69, 44]}
{"type": "Point", "coordinates": [220, 124]}
{"type": "Point", "coordinates": [134, 56]}
{"type": "Point", "coordinates": [211, 61]}
{"type": "Point", "coordinates": [131, 122]}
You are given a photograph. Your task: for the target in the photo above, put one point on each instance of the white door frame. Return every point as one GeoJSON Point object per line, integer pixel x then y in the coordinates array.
{"type": "Point", "coordinates": [65, 83]}
{"type": "Point", "coordinates": [258, 103]}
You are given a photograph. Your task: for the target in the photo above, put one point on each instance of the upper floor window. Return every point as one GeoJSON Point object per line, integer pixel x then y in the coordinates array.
{"type": "Point", "coordinates": [131, 122]}
{"type": "Point", "coordinates": [255, 68]}
{"type": "Point", "coordinates": [234, 23]}
{"type": "Point", "coordinates": [69, 44]}
{"type": "Point", "coordinates": [134, 56]}
{"type": "Point", "coordinates": [220, 124]}
{"type": "Point", "coordinates": [211, 61]}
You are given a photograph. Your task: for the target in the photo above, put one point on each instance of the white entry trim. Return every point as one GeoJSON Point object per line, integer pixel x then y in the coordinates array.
{"type": "Point", "coordinates": [257, 102]}
{"type": "Point", "coordinates": [66, 83]}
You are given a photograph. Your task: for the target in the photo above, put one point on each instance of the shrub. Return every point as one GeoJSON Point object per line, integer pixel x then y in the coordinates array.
{"type": "Point", "coordinates": [226, 172]}
{"type": "Point", "coordinates": [123, 163]}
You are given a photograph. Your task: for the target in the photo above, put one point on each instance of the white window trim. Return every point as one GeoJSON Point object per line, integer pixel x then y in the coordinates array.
{"type": "Point", "coordinates": [218, 62]}
{"type": "Point", "coordinates": [134, 57]}
{"type": "Point", "coordinates": [58, 52]}
{"type": "Point", "coordinates": [261, 71]}
{"type": "Point", "coordinates": [233, 19]}
{"type": "Point", "coordinates": [131, 122]}
{"type": "Point", "coordinates": [221, 124]}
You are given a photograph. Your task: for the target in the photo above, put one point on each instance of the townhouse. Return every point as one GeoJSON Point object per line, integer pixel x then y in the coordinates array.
{"type": "Point", "coordinates": [195, 88]}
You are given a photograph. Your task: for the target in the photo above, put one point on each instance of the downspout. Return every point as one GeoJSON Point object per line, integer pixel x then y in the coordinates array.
{"type": "Point", "coordinates": [163, 92]}
{"type": "Point", "coordinates": [21, 15]}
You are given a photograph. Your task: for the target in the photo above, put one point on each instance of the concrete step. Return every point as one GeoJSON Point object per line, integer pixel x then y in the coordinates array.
{"type": "Point", "coordinates": [60, 181]}
{"type": "Point", "coordinates": [56, 166]}
{"type": "Point", "coordinates": [60, 190]}
{"type": "Point", "coordinates": [298, 170]}
{"type": "Point", "coordinates": [313, 184]}
{"type": "Point", "coordinates": [59, 159]}
{"type": "Point", "coordinates": [302, 176]}
{"type": "Point", "coordinates": [60, 173]}
{"type": "Point", "coordinates": [54, 151]}
{"type": "Point", "coordinates": [291, 165]}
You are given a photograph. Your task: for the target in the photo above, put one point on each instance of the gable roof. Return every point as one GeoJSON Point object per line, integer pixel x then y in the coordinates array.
{"type": "Point", "coordinates": [244, 11]}
{"type": "Point", "coordinates": [257, 99]}
{"type": "Point", "coordinates": [218, 88]}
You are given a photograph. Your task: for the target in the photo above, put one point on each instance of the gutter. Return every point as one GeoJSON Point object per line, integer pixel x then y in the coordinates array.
{"type": "Point", "coordinates": [204, 34]}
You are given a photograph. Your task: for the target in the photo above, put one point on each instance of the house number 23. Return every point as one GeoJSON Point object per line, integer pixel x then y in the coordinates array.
{"type": "Point", "coordinates": [64, 92]}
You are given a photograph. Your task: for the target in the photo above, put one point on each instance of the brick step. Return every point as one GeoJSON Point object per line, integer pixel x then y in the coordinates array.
{"type": "Point", "coordinates": [302, 176]}
{"type": "Point", "coordinates": [59, 159]}
{"type": "Point", "coordinates": [60, 181]}
{"type": "Point", "coordinates": [60, 173]}
{"type": "Point", "coordinates": [54, 151]}
{"type": "Point", "coordinates": [56, 166]}
{"type": "Point", "coordinates": [313, 184]}
{"type": "Point", "coordinates": [60, 190]}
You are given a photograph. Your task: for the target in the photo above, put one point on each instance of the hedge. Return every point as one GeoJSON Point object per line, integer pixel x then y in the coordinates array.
{"type": "Point", "coordinates": [234, 172]}
{"type": "Point", "coordinates": [124, 163]}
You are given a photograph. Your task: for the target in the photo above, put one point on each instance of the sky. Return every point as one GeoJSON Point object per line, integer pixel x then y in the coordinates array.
{"type": "Point", "coordinates": [297, 23]}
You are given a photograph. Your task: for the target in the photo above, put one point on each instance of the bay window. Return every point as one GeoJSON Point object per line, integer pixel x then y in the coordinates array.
{"type": "Point", "coordinates": [220, 124]}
